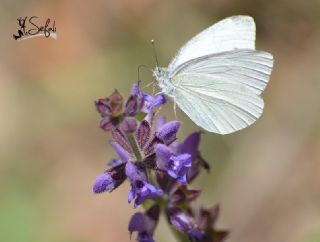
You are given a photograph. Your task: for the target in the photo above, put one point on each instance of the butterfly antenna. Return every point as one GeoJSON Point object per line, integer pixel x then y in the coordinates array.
{"type": "Point", "coordinates": [154, 52]}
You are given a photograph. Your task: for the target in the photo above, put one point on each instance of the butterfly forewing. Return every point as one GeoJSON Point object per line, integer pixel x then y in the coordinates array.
{"type": "Point", "coordinates": [236, 32]}
{"type": "Point", "coordinates": [250, 68]}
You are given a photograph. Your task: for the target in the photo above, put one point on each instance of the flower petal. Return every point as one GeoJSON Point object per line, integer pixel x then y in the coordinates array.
{"type": "Point", "coordinates": [191, 144]}
{"type": "Point", "coordinates": [135, 90]}
{"type": "Point", "coordinates": [122, 153]}
{"type": "Point", "coordinates": [158, 100]}
{"type": "Point", "coordinates": [168, 132]}
{"type": "Point", "coordinates": [163, 154]}
{"type": "Point", "coordinates": [103, 183]}
{"type": "Point", "coordinates": [139, 222]}
{"type": "Point", "coordinates": [184, 223]}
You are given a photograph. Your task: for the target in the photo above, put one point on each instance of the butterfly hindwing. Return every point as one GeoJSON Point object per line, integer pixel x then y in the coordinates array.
{"type": "Point", "coordinates": [224, 109]}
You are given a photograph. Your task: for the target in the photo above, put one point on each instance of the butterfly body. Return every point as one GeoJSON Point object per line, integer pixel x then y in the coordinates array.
{"type": "Point", "coordinates": [164, 81]}
{"type": "Point", "coordinates": [217, 77]}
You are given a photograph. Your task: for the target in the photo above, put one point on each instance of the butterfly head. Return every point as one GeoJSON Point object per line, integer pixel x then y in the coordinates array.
{"type": "Point", "coordinates": [163, 79]}
{"type": "Point", "coordinates": [160, 73]}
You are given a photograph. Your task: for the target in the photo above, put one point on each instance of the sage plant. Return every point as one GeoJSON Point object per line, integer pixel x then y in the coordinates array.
{"type": "Point", "coordinates": [158, 166]}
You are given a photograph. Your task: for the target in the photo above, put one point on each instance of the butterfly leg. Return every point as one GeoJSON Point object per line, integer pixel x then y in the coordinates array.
{"type": "Point", "coordinates": [156, 113]}
{"type": "Point", "coordinates": [175, 110]}
{"type": "Point", "coordinates": [148, 85]}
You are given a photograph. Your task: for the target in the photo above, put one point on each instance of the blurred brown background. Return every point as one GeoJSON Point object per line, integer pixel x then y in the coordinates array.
{"type": "Point", "coordinates": [266, 177]}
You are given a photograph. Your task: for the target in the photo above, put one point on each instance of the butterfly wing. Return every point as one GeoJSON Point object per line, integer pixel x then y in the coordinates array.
{"type": "Point", "coordinates": [220, 92]}
{"type": "Point", "coordinates": [236, 32]}
{"type": "Point", "coordinates": [250, 68]}
{"type": "Point", "coordinates": [232, 107]}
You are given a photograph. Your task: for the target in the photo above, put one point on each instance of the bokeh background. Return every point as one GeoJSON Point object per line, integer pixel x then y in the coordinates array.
{"type": "Point", "coordinates": [266, 177]}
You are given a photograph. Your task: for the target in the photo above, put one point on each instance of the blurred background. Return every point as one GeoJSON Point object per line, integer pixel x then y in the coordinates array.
{"type": "Point", "coordinates": [266, 177]}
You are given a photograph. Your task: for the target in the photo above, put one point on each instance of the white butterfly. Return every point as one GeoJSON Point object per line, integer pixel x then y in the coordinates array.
{"type": "Point", "coordinates": [217, 76]}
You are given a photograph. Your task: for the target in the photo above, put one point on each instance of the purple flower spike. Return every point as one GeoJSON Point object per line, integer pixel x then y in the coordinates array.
{"type": "Point", "coordinates": [176, 165]}
{"type": "Point", "coordinates": [168, 132]}
{"type": "Point", "coordinates": [184, 223]}
{"type": "Point", "coordinates": [141, 190]}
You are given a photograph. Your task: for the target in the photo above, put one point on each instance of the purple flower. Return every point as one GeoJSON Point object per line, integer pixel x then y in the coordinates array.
{"type": "Point", "coordinates": [110, 109]}
{"type": "Point", "coordinates": [143, 155]}
{"type": "Point", "coordinates": [110, 106]}
{"type": "Point", "coordinates": [122, 153]}
{"type": "Point", "coordinates": [116, 114]}
{"type": "Point", "coordinates": [184, 223]}
{"type": "Point", "coordinates": [152, 102]}
{"type": "Point", "coordinates": [110, 179]}
{"type": "Point", "coordinates": [145, 224]}
{"type": "Point", "coordinates": [167, 132]}
{"type": "Point", "coordinates": [143, 102]}
{"type": "Point", "coordinates": [141, 190]}
{"type": "Point", "coordinates": [103, 183]}
{"type": "Point", "coordinates": [176, 165]}
{"type": "Point", "coordinates": [190, 145]}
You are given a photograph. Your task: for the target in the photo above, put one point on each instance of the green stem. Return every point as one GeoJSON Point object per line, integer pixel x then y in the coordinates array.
{"type": "Point", "coordinates": [135, 147]}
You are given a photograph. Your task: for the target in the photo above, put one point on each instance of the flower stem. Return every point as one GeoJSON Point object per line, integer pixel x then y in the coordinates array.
{"type": "Point", "coordinates": [135, 147]}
